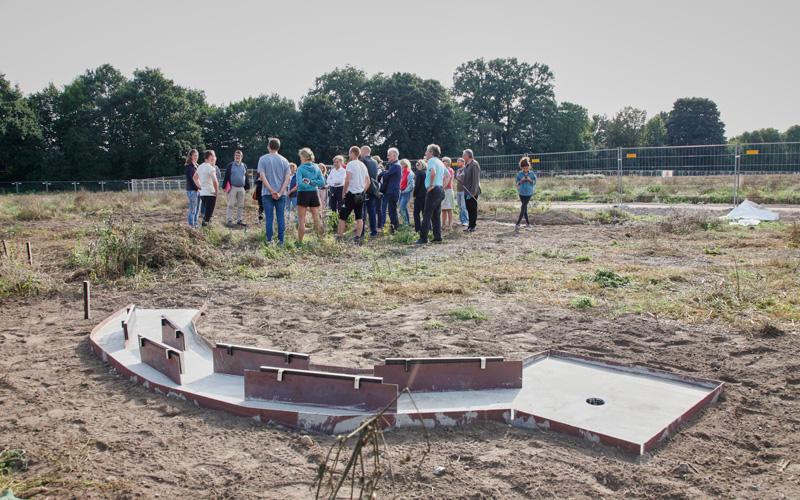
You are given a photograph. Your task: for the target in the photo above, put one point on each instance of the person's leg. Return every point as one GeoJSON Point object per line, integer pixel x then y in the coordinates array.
{"type": "Point", "coordinates": [436, 215]}
{"type": "Point", "coordinates": [260, 200]}
{"type": "Point", "coordinates": [525, 204]}
{"type": "Point", "coordinates": [359, 229]}
{"type": "Point", "coordinates": [192, 210]}
{"type": "Point", "coordinates": [522, 204]}
{"type": "Point", "coordinates": [239, 202]}
{"type": "Point", "coordinates": [269, 206]}
{"type": "Point", "coordinates": [383, 206]}
{"type": "Point", "coordinates": [472, 212]}
{"type": "Point", "coordinates": [208, 204]}
{"type": "Point", "coordinates": [419, 206]}
{"type": "Point", "coordinates": [230, 201]}
{"type": "Point", "coordinates": [372, 211]}
{"type": "Point", "coordinates": [316, 216]}
{"type": "Point", "coordinates": [280, 205]}
{"type": "Point", "coordinates": [462, 209]}
{"type": "Point", "coordinates": [427, 215]}
{"type": "Point", "coordinates": [301, 223]}
{"type": "Point", "coordinates": [392, 206]}
{"type": "Point", "coordinates": [404, 207]}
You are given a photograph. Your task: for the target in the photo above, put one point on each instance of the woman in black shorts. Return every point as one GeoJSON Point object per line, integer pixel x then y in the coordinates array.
{"type": "Point", "coordinates": [309, 178]}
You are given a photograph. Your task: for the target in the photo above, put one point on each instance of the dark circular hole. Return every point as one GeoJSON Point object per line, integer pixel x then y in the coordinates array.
{"type": "Point", "coordinates": [595, 401]}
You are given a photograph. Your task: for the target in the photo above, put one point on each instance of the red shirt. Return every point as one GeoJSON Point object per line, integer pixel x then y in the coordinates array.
{"type": "Point", "coordinates": [404, 178]}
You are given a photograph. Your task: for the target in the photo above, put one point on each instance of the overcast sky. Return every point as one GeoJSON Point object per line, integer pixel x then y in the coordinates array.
{"type": "Point", "coordinates": [604, 54]}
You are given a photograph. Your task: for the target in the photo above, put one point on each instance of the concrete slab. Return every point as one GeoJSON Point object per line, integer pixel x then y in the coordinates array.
{"type": "Point", "coordinates": [640, 407]}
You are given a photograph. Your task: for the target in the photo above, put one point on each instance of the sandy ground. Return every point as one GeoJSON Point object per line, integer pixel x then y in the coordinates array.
{"type": "Point", "coordinates": [90, 434]}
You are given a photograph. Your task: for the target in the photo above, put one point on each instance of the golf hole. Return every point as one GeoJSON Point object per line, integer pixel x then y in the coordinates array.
{"type": "Point", "coordinates": [595, 401]}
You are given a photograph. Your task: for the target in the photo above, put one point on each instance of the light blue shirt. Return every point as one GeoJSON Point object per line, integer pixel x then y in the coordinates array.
{"type": "Point", "coordinates": [438, 175]}
{"type": "Point", "coordinates": [275, 168]}
{"type": "Point", "coordinates": [526, 188]}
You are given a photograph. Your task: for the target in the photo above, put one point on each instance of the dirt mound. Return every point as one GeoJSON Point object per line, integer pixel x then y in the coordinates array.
{"type": "Point", "coordinates": [174, 244]}
{"type": "Point", "coordinates": [557, 218]}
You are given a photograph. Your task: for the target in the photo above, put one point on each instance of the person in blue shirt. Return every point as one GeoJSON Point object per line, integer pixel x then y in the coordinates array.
{"type": "Point", "coordinates": [309, 179]}
{"type": "Point", "coordinates": [435, 179]}
{"type": "Point", "coordinates": [390, 186]}
{"type": "Point", "coordinates": [526, 183]}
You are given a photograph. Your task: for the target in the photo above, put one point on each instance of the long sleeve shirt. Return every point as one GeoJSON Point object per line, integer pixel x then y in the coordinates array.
{"type": "Point", "coordinates": [336, 177]}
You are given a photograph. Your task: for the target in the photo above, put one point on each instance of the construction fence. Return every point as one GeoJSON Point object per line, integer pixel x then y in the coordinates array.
{"type": "Point", "coordinates": [712, 173]}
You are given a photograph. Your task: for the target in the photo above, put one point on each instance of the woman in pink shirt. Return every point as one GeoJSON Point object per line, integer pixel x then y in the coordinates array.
{"type": "Point", "coordinates": [449, 196]}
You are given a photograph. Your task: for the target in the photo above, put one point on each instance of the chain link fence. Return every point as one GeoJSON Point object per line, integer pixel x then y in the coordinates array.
{"type": "Point", "coordinates": [721, 173]}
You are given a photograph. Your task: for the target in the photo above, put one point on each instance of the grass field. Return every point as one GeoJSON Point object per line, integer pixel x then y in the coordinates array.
{"type": "Point", "coordinates": [683, 292]}
{"type": "Point", "coordinates": [780, 189]}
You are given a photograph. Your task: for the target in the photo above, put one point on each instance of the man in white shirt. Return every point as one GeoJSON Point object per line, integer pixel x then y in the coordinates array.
{"type": "Point", "coordinates": [356, 183]}
{"type": "Point", "coordinates": [336, 183]}
{"type": "Point", "coordinates": [206, 178]}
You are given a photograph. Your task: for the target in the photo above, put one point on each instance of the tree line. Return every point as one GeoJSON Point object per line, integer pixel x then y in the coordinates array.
{"type": "Point", "coordinates": [103, 125]}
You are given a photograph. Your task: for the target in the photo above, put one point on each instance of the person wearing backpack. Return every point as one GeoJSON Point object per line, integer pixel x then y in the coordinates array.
{"type": "Point", "coordinates": [356, 185]}
{"type": "Point", "coordinates": [235, 184]}
{"type": "Point", "coordinates": [373, 192]}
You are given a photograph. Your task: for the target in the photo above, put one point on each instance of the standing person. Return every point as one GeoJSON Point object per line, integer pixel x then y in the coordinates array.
{"type": "Point", "coordinates": [236, 183]}
{"type": "Point", "coordinates": [472, 188]}
{"type": "Point", "coordinates": [449, 196]}
{"type": "Point", "coordinates": [274, 173]}
{"type": "Point", "coordinates": [335, 183]}
{"type": "Point", "coordinates": [434, 187]}
{"type": "Point", "coordinates": [206, 178]}
{"type": "Point", "coordinates": [323, 191]}
{"type": "Point", "coordinates": [526, 184]}
{"type": "Point", "coordinates": [356, 184]}
{"type": "Point", "coordinates": [309, 179]}
{"type": "Point", "coordinates": [462, 206]}
{"type": "Point", "coordinates": [406, 188]}
{"type": "Point", "coordinates": [419, 194]}
{"type": "Point", "coordinates": [390, 184]}
{"type": "Point", "coordinates": [291, 202]}
{"type": "Point", "coordinates": [373, 194]}
{"type": "Point", "coordinates": [192, 188]}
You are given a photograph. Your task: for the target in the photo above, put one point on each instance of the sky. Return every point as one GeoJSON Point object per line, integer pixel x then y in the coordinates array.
{"type": "Point", "coordinates": [604, 54]}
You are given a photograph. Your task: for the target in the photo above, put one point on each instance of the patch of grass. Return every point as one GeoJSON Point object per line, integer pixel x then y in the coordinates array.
{"type": "Point", "coordinates": [583, 258]}
{"type": "Point", "coordinates": [609, 279]}
{"type": "Point", "coordinates": [794, 235]}
{"type": "Point", "coordinates": [404, 235]}
{"type": "Point", "coordinates": [18, 279]}
{"type": "Point", "coordinates": [435, 324]}
{"type": "Point", "coordinates": [686, 222]}
{"type": "Point", "coordinates": [582, 302]}
{"type": "Point", "coordinates": [609, 216]}
{"type": "Point", "coordinates": [467, 313]}
{"type": "Point", "coordinates": [554, 253]}
{"type": "Point", "coordinates": [712, 250]}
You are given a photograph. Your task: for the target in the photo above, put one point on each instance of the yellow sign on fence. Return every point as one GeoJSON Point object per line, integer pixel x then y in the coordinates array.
{"type": "Point", "coordinates": [534, 160]}
{"type": "Point", "coordinates": [751, 152]}
{"type": "Point", "coordinates": [630, 155]}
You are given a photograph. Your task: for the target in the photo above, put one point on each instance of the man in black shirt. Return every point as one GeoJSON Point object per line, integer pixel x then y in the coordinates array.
{"type": "Point", "coordinates": [373, 195]}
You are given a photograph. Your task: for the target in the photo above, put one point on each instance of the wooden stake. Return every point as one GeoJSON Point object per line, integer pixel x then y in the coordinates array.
{"type": "Point", "coordinates": [5, 248]}
{"type": "Point", "coordinates": [86, 300]}
{"type": "Point", "coordinates": [30, 252]}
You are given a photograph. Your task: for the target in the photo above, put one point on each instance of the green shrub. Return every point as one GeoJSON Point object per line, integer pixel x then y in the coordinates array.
{"type": "Point", "coordinates": [582, 302]}
{"type": "Point", "coordinates": [467, 313]}
{"type": "Point", "coordinates": [609, 279]}
{"type": "Point", "coordinates": [583, 258]}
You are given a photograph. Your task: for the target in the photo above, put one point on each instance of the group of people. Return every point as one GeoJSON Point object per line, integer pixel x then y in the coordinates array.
{"type": "Point", "coordinates": [372, 190]}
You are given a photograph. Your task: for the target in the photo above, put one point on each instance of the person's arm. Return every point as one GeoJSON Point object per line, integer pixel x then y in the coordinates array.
{"type": "Point", "coordinates": [446, 179]}
{"type": "Point", "coordinates": [216, 185]}
{"type": "Point", "coordinates": [196, 179]}
{"type": "Point", "coordinates": [285, 182]}
{"type": "Point", "coordinates": [431, 175]}
{"type": "Point", "coordinates": [265, 182]}
{"type": "Point", "coordinates": [346, 183]}
{"type": "Point", "coordinates": [368, 183]}
{"type": "Point", "coordinates": [320, 181]}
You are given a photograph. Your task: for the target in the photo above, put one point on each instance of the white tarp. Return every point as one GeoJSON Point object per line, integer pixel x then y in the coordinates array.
{"type": "Point", "coordinates": [750, 214]}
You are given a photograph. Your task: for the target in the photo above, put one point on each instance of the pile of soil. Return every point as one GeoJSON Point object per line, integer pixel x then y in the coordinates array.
{"type": "Point", "coordinates": [557, 218]}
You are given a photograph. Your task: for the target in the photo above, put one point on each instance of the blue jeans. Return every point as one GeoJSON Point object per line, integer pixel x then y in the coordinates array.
{"type": "Point", "coordinates": [194, 205]}
{"type": "Point", "coordinates": [371, 211]}
{"type": "Point", "coordinates": [275, 209]}
{"type": "Point", "coordinates": [404, 199]}
{"type": "Point", "coordinates": [291, 206]}
{"type": "Point", "coordinates": [462, 208]}
{"type": "Point", "coordinates": [389, 202]}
